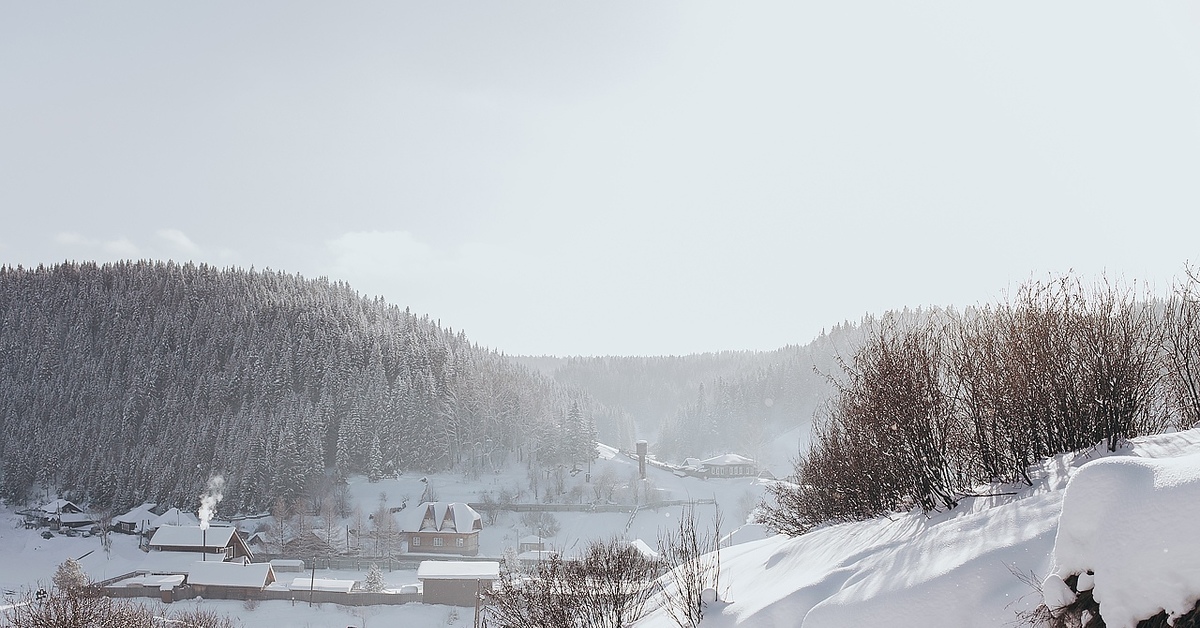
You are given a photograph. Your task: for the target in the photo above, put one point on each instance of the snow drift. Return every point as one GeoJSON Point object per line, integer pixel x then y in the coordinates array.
{"type": "Point", "coordinates": [1133, 523]}
{"type": "Point", "coordinates": [974, 566]}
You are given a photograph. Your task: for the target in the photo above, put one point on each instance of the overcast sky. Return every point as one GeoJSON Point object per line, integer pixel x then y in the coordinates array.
{"type": "Point", "coordinates": [611, 177]}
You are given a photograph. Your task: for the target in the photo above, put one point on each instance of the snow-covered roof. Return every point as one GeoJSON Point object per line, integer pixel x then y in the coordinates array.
{"type": "Point", "coordinates": [458, 570]}
{"type": "Point", "coordinates": [533, 556]}
{"type": "Point", "coordinates": [446, 517]}
{"type": "Point", "coordinates": [59, 505]}
{"type": "Point", "coordinates": [532, 538]}
{"type": "Point", "coordinates": [192, 536]}
{"type": "Point", "coordinates": [644, 549]}
{"type": "Point", "coordinates": [321, 584]}
{"type": "Point", "coordinates": [138, 515]}
{"type": "Point", "coordinates": [154, 581]}
{"type": "Point", "coordinates": [169, 562]}
{"type": "Point", "coordinates": [69, 518]}
{"type": "Point", "coordinates": [175, 517]}
{"type": "Point", "coordinates": [244, 575]}
{"type": "Point", "coordinates": [727, 459]}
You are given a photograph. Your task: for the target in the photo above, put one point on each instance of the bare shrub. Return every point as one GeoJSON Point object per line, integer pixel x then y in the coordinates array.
{"type": "Point", "coordinates": [694, 563]}
{"type": "Point", "coordinates": [609, 586]}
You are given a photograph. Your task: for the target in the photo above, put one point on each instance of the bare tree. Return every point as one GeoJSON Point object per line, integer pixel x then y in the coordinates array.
{"type": "Point", "coordinates": [282, 514]}
{"type": "Point", "coordinates": [1181, 344]}
{"type": "Point", "coordinates": [693, 559]}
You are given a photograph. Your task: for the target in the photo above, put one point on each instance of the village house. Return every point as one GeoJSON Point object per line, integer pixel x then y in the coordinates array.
{"type": "Point", "coordinates": [229, 580]}
{"type": "Point", "coordinates": [221, 543]}
{"type": "Point", "coordinates": [728, 466]}
{"type": "Point", "coordinates": [57, 514]}
{"type": "Point", "coordinates": [445, 528]}
{"type": "Point", "coordinates": [173, 517]}
{"type": "Point", "coordinates": [455, 582]}
{"type": "Point", "coordinates": [136, 520]}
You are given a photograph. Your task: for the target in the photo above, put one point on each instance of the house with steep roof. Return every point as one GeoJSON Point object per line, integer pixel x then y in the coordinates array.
{"type": "Point", "coordinates": [220, 543]}
{"type": "Point", "coordinates": [444, 528]}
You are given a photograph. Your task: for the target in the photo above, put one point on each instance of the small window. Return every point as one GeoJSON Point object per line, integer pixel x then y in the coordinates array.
{"type": "Point", "coordinates": [416, 541]}
{"type": "Point", "coordinates": [437, 541]}
{"type": "Point", "coordinates": [459, 542]}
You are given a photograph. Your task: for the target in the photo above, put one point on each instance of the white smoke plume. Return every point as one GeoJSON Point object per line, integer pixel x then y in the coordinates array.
{"type": "Point", "coordinates": [209, 500]}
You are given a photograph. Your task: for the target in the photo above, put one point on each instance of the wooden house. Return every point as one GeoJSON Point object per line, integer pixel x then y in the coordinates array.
{"type": "Point", "coordinates": [445, 528]}
{"type": "Point", "coordinates": [220, 543]}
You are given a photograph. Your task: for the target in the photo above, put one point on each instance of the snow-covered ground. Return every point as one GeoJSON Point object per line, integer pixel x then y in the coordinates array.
{"type": "Point", "coordinates": [971, 566]}
{"type": "Point", "coordinates": [968, 567]}
{"type": "Point", "coordinates": [28, 561]}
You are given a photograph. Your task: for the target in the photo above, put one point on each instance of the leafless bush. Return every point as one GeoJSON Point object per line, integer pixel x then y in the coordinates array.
{"type": "Point", "coordinates": [694, 564]}
{"type": "Point", "coordinates": [609, 586]}
{"type": "Point", "coordinates": [1181, 345]}
{"type": "Point", "coordinates": [88, 609]}
{"type": "Point", "coordinates": [931, 405]}
{"type": "Point", "coordinates": [541, 523]}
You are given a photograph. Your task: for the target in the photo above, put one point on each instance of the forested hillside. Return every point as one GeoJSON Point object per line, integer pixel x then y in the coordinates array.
{"type": "Point", "coordinates": [135, 381]}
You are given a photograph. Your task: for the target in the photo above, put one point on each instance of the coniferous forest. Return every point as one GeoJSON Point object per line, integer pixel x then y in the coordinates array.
{"type": "Point", "coordinates": [138, 380]}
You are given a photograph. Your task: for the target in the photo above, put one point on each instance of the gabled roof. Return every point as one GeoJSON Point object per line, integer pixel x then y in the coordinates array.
{"type": "Point", "coordinates": [59, 505]}
{"type": "Point", "coordinates": [642, 548]}
{"type": "Point", "coordinates": [458, 570]}
{"type": "Point", "coordinates": [138, 515]}
{"type": "Point", "coordinates": [242, 575]}
{"type": "Point", "coordinates": [447, 517]}
{"type": "Point", "coordinates": [192, 536]}
{"type": "Point", "coordinates": [727, 459]}
{"type": "Point", "coordinates": [169, 562]}
{"type": "Point", "coordinates": [175, 517]}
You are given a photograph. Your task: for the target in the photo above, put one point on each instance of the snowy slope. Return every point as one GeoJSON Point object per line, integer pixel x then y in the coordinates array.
{"type": "Point", "coordinates": [953, 569]}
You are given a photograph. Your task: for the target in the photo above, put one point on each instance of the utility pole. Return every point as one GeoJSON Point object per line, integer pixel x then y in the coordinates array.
{"type": "Point", "coordinates": [312, 581]}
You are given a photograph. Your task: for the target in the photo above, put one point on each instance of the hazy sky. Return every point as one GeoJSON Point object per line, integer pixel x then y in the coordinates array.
{"type": "Point", "coordinates": [611, 177]}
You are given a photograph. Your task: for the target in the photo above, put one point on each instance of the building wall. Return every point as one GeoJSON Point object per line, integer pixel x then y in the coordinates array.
{"type": "Point", "coordinates": [454, 592]}
{"type": "Point", "coordinates": [427, 543]}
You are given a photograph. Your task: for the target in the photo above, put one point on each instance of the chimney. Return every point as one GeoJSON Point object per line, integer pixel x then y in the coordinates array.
{"type": "Point", "coordinates": [641, 452]}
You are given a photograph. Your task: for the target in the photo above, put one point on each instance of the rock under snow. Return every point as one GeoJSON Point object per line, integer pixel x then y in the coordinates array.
{"type": "Point", "coordinates": [1134, 523]}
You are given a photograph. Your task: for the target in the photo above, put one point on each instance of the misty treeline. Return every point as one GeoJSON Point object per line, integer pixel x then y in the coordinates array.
{"type": "Point", "coordinates": [931, 405]}
{"type": "Point", "coordinates": [137, 381]}
{"type": "Point", "coordinates": [710, 403]}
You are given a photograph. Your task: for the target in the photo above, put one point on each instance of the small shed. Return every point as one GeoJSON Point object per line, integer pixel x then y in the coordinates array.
{"type": "Point", "coordinates": [456, 582]}
{"type": "Point", "coordinates": [322, 584]}
{"type": "Point", "coordinates": [531, 543]}
{"type": "Point", "coordinates": [281, 565]}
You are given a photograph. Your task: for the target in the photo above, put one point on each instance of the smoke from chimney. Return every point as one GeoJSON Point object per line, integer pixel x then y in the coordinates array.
{"type": "Point", "coordinates": [209, 500]}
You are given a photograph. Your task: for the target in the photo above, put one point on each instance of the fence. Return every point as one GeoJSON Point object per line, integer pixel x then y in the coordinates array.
{"type": "Point", "coordinates": [185, 592]}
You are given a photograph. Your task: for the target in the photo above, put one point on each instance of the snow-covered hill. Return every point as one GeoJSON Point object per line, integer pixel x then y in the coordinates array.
{"type": "Point", "coordinates": [971, 566]}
